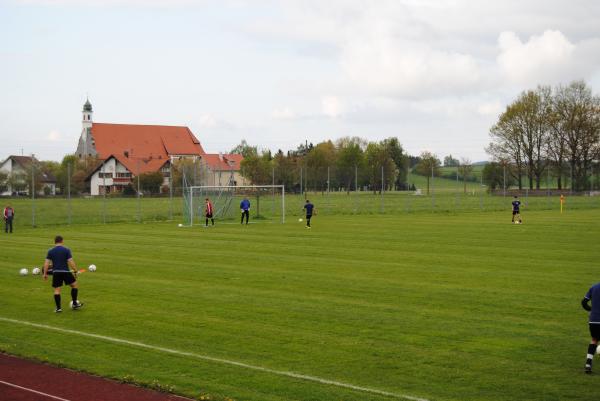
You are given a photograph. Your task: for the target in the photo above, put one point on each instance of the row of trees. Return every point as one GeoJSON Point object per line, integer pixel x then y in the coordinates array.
{"type": "Point", "coordinates": [549, 128]}
{"type": "Point", "coordinates": [346, 164]}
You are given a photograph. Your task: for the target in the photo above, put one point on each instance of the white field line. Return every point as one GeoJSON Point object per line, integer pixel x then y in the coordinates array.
{"type": "Point", "coordinates": [220, 360]}
{"type": "Point", "coordinates": [33, 391]}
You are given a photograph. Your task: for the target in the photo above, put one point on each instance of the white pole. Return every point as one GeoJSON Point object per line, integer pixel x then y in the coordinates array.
{"type": "Point", "coordinates": [191, 207]}
{"type": "Point", "coordinates": [282, 204]}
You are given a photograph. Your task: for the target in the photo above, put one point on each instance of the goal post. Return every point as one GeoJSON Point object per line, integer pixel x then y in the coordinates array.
{"type": "Point", "coordinates": [267, 203]}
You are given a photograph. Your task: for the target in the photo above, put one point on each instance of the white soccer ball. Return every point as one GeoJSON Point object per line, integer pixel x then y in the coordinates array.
{"type": "Point", "coordinates": [23, 272]}
{"type": "Point", "coordinates": [92, 268]}
{"type": "Point", "coordinates": [36, 271]}
{"type": "Point", "coordinates": [300, 220]}
{"type": "Point", "coordinates": [180, 225]}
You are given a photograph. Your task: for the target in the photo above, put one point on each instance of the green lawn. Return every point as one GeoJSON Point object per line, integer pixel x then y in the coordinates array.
{"type": "Point", "coordinates": [441, 306]}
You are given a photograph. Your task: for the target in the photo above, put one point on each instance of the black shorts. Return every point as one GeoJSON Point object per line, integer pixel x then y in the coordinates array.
{"type": "Point", "coordinates": [208, 216]}
{"type": "Point", "coordinates": [595, 330]}
{"type": "Point", "coordinates": [308, 216]}
{"type": "Point", "coordinates": [515, 212]}
{"type": "Point", "coordinates": [58, 278]}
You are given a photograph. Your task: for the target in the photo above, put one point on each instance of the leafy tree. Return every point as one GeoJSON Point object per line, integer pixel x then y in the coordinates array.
{"type": "Point", "coordinates": [378, 158]}
{"type": "Point", "coordinates": [151, 181]}
{"type": "Point", "coordinates": [449, 161]}
{"type": "Point", "coordinates": [493, 176]}
{"type": "Point", "coordinates": [318, 161]}
{"type": "Point", "coordinates": [396, 152]}
{"type": "Point", "coordinates": [350, 159]}
{"type": "Point", "coordinates": [465, 170]}
{"type": "Point", "coordinates": [257, 168]}
{"type": "Point", "coordinates": [245, 149]}
{"type": "Point", "coordinates": [428, 165]}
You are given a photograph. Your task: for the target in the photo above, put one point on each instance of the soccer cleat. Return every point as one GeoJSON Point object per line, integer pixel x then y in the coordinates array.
{"type": "Point", "coordinates": [78, 305]}
{"type": "Point", "coordinates": [588, 368]}
{"type": "Point", "coordinates": [57, 310]}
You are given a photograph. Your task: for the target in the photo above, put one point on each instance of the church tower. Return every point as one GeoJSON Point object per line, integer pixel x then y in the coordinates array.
{"type": "Point", "coordinates": [87, 114]}
{"type": "Point", "coordinates": [86, 146]}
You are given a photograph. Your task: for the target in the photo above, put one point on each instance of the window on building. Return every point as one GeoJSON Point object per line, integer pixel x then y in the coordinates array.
{"type": "Point", "coordinates": [123, 175]}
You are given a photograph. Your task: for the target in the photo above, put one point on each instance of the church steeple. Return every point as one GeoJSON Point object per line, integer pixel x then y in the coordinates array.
{"type": "Point", "coordinates": [87, 114]}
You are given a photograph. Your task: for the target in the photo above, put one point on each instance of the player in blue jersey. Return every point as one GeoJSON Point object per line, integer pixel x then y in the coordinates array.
{"type": "Point", "coordinates": [310, 210]}
{"type": "Point", "coordinates": [63, 271]}
{"type": "Point", "coordinates": [593, 295]}
{"type": "Point", "coordinates": [245, 208]}
{"type": "Point", "coordinates": [516, 207]}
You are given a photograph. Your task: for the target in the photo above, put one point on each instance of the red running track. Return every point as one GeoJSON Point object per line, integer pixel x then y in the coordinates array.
{"type": "Point", "coordinates": [23, 380]}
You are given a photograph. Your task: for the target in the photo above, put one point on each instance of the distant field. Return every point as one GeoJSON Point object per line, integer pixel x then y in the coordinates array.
{"type": "Point", "coordinates": [446, 196]}
{"type": "Point", "coordinates": [438, 306]}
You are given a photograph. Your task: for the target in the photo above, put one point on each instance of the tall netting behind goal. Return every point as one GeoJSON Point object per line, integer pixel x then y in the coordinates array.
{"type": "Point", "coordinates": [267, 203]}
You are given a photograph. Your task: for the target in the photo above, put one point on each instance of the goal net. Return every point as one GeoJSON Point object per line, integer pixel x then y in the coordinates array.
{"type": "Point", "coordinates": [267, 203]}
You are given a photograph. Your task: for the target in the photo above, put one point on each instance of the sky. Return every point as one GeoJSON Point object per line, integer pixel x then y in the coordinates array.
{"type": "Point", "coordinates": [435, 74]}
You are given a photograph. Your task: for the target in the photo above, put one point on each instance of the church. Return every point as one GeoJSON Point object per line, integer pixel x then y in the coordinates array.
{"type": "Point", "coordinates": [127, 150]}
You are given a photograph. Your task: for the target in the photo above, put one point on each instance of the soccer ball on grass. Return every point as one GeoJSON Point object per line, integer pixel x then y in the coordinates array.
{"type": "Point", "coordinates": [92, 268]}
{"type": "Point", "coordinates": [23, 272]}
{"type": "Point", "coordinates": [35, 271]}
{"type": "Point", "coordinates": [300, 220]}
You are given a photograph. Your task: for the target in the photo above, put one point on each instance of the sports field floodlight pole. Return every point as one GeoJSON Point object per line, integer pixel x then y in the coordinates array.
{"type": "Point", "coordinates": [69, 193]}
{"type": "Point", "coordinates": [171, 190]}
{"type": "Point", "coordinates": [356, 178]}
{"type": "Point", "coordinates": [32, 191]}
{"type": "Point", "coordinates": [504, 180]}
{"type": "Point", "coordinates": [382, 184]}
{"type": "Point", "coordinates": [139, 204]}
{"type": "Point", "coordinates": [103, 194]}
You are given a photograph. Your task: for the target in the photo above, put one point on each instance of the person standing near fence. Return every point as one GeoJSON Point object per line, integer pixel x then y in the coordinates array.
{"type": "Point", "coordinates": [310, 210]}
{"type": "Point", "coordinates": [9, 215]}
{"type": "Point", "coordinates": [208, 212]}
{"type": "Point", "coordinates": [245, 207]}
{"type": "Point", "coordinates": [64, 271]}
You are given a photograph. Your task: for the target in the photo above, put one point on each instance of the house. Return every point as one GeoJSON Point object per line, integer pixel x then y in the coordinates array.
{"type": "Point", "coordinates": [127, 150]}
{"type": "Point", "coordinates": [224, 169]}
{"type": "Point", "coordinates": [19, 172]}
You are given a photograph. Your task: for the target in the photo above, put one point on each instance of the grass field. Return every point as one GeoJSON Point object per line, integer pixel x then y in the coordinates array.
{"type": "Point", "coordinates": [435, 306]}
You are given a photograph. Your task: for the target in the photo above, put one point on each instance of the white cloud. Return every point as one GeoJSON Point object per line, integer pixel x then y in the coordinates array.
{"type": "Point", "coordinates": [284, 114]}
{"type": "Point", "coordinates": [332, 107]}
{"type": "Point", "coordinates": [545, 58]}
{"type": "Point", "coordinates": [54, 136]}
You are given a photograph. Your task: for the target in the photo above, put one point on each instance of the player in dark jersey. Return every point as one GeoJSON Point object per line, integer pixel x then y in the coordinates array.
{"type": "Point", "coordinates": [63, 272]}
{"type": "Point", "coordinates": [310, 210]}
{"type": "Point", "coordinates": [593, 295]}
{"type": "Point", "coordinates": [516, 207]}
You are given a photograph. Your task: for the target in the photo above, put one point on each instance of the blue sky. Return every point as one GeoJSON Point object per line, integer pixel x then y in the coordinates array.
{"type": "Point", "coordinates": [436, 74]}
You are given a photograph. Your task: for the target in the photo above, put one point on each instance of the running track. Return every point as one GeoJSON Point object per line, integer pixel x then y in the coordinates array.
{"type": "Point", "coordinates": [23, 380]}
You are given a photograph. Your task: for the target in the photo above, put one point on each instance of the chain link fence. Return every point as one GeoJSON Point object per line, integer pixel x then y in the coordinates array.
{"type": "Point", "coordinates": [139, 201]}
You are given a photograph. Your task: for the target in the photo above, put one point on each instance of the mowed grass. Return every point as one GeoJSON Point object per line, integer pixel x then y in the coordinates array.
{"type": "Point", "coordinates": [438, 306]}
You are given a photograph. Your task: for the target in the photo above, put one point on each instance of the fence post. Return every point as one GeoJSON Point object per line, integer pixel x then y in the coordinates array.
{"type": "Point", "coordinates": [138, 190]}
{"type": "Point", "coordinates": [32, 191]}
{"type": "Point", "coordinates": [69, 193]}
{"type": "Point", "coordinates": [382, 186]}
{"type": "Point", "coordinates": [171, 190]}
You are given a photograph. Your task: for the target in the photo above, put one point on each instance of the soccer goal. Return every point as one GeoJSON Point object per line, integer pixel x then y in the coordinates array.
{"type": "Point", "coordinates": [267, 203]}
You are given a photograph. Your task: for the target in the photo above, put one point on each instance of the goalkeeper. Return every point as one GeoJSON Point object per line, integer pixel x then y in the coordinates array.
{"type": "Point", "coordinates": [245, 208]}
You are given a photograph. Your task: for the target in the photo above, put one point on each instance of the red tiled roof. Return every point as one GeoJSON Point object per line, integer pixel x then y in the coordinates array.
{"type": "Point", "coordinates": [144, 141]}
{"type": "Point", "coordinates": [134, 165]}
{"type": "Point", "coordinates": [223, 162]}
